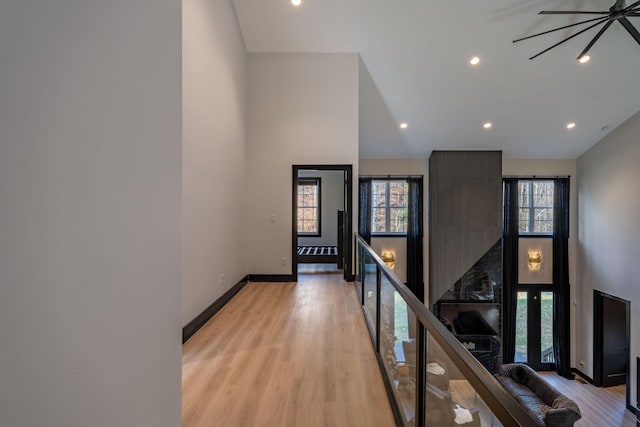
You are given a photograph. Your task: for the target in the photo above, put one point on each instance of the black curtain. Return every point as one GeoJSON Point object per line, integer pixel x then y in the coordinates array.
{"type": "Point", "coordinates": [415, 279]}
{"type": "Point", "coordinates": [509, 268]}
{"type": "Point", "coordinates": [364, 209]}
{"type": "Point", "coordinates": [561, 300]}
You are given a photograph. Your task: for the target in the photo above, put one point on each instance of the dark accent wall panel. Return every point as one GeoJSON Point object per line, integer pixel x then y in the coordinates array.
{"type": "Point", "coordinates": [465, 213]}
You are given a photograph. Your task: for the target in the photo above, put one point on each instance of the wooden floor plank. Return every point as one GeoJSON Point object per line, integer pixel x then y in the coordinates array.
{"type": "Point", "coordinates": [285, 354]}
{"type": "Point", "coordinates": [600, 406]}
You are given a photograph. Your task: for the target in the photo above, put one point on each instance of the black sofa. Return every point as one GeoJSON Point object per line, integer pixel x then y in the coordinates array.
{"type": "Point", "coordinates": [544, 402]}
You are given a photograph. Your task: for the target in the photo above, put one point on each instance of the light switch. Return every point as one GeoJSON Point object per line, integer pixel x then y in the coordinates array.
{"type": "Point", "coordinates": [272, 218]}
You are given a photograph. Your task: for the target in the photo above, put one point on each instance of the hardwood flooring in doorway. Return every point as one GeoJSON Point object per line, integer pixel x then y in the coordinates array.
{"type": "Point", "coordinates": [285, 354]}
{"type": "Point", "coordinates": [318, 269]}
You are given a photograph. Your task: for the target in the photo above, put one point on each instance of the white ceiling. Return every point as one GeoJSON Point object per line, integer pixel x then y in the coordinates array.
{"type": "Point", "coordinates": [417, 53]}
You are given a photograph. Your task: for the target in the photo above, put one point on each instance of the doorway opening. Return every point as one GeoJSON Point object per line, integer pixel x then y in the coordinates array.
{"type": "Point", "coordinates": [322, 218]}
{"type": "Point", "coordinates": [611, 341]}
{"type": "Point", "coordinates": [534, 327]}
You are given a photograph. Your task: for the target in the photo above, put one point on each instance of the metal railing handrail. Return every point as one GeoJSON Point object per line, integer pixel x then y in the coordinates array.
{"type": "Point", "coordinates": [499, 400]}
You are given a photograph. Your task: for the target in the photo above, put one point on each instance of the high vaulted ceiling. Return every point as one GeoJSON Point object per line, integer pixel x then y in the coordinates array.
{"type": "Point", "coordinates": [417, 53]}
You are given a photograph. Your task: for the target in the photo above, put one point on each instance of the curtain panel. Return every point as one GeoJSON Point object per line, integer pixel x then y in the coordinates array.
{"type": "Point", "coordinates": [364, 209]}
{"type": "Point", "coordinates": [415, 275]}
{"type": "Point", "coordinates": [561, 300]}
{"type": "Point", "coordinates": [510, 237]}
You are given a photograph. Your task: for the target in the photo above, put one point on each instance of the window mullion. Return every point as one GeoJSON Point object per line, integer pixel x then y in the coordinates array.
{"type": "Point", "coordinates": [531, 209]}
{"type": "Point", "coordinates": [387, 209]}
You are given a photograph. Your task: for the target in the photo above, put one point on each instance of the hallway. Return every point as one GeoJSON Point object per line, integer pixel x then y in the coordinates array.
{"type": "Point", "coordinates": [285, 354]}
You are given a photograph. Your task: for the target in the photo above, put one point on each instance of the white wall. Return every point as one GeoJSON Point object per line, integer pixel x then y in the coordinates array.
{"type": "Point", "coordinates": [544, 275]}
{"type": "Point", "coordinates": [331, 200]}
{"type": "Point", "coordinates": [609, 239]}
{"type": "Point", "coordinates": [90, 219]}
{"type": "Point", "coordinates": [399, 245]}
{"type": "Point", "coordinates": [380, 133]}
{"type": "Point", "coordinates": [549, 168]}
{"type": "Point", "coordinates": [214, 154]}
{"type": "Point", "coordinates": [302, 109]}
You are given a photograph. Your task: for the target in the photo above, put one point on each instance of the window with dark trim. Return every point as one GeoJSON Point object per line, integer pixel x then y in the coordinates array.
{"type": "Point", "coordinates": [309, 206]}
{"type": "Point", "coordinates": [389, 207]}
{"type": "Point", "coordinates": [535, 207]}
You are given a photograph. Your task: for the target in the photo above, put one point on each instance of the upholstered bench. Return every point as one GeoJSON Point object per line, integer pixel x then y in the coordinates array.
{"type": "Point", "coordinates": [547, 405]}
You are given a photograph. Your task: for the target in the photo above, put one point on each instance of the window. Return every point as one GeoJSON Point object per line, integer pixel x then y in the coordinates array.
{"type": "Point", "coordinates": [535, 207]}
{"type": "Point", "coordinates": [309, 206]}
{"type": "Point", "coordinates": [389, 206]}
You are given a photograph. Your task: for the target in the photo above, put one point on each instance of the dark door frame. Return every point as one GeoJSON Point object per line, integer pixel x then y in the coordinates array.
{"type": "Point", "coordinates": [598, 330]}
{"type": "Point", "coordinates": [348, 195]}
{"type": "Point", "coordinates": [534, 315]}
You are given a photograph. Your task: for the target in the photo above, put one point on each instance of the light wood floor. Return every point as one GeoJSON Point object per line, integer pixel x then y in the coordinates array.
{"type": "Point", "coordinates": [285, 354]}
{"type": "Point", "coordinates": [600, 406]}
{"type": "Point", "coordinates": [299, 354]}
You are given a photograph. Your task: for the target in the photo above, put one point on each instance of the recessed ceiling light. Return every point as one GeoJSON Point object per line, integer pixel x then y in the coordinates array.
{"type": "Point", "coordinates": [296, 2]}
{"type": "Point", "coordinates": [487, 125]}
{"type": "Point", "coordinates": [474, 61]}
{"type": "Point", "coordinates": [403, 125]}
{"type": "Point", "coordinates": [571, 125]}
{"type": "Point", "coordinates": [584, 59]}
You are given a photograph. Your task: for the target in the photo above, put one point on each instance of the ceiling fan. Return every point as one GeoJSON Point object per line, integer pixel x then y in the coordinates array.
{"type": "Point", "coordinates": [617, 12]}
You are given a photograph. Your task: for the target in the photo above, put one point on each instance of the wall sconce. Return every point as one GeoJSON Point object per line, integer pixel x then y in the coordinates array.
{"type": "Point", "coordinates": [389, 258]}
{"type": "Point", "coordinates": [535, 259]}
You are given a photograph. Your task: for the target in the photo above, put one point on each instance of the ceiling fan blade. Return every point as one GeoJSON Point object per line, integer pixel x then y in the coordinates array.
{"type": "Point", "coordinates": [630, 28]}
{"type": "Point", "coordinates": [595, 39]}
{"type": "Point", "coordinates": [568, 38]}
{"type": "Point", "coordinates": [573, 12]}
{"type": "Point", "coordinates": [602, 19]}
{"type": "Point", "coordinates": [631, 6]}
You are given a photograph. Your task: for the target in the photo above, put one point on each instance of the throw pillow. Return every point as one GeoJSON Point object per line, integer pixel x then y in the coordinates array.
{"type": "Point", "coordinates": [519, 374]}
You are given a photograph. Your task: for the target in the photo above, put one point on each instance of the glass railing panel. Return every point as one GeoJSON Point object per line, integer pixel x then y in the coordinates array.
{"type": "Point", "coordinates": [359, 270]}
{"type": "Point", "coordinates": [431, 377]}
{"type": "Point", "coordinates": [370, 290]}
{"type": "Point", "coordinates": [450, 399]}
{"type": "Point", "coordinates": [398, 350]}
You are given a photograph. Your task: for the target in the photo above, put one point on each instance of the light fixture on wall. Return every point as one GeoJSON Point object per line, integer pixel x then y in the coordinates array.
{"type": "Point", "coordinates": [389, 258]}
{"type": "Point", "coordinates": [535, 259]}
